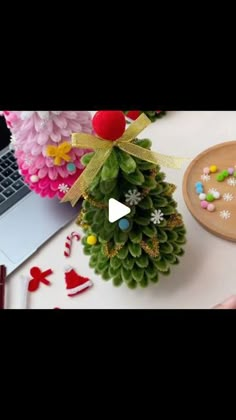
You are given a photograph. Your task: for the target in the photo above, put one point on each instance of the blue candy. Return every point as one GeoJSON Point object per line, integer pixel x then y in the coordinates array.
{"type": "Point", "coordinates": [198, 184]}
{"type": "Point", "coordinates": [199, 190]}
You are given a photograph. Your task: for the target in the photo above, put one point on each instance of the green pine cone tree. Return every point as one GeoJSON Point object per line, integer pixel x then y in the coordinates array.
{"type": "Point", "coordinates": [156, 234]}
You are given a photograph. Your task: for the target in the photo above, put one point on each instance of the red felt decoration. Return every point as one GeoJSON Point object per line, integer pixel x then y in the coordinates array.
{"type": "Point", "coordinates": [133, 115]}
{"type": "Point", "coordinates": [109, 125]}
{"type": "Point", "coordinates": [37, 277]}
{"type": "Point", "coordinates": [75, 283]}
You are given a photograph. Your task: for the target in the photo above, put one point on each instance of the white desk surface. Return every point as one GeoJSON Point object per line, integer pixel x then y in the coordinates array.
{"type": "Point", "coordinates": [206, 274]}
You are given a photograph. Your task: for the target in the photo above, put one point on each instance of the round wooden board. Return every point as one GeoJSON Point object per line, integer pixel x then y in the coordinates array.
{"type": "Point", "coordinates": [223, 156]}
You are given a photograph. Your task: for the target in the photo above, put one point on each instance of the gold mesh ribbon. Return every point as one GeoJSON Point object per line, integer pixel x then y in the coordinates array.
{"type": "Point", "coordinates": [103, 149]}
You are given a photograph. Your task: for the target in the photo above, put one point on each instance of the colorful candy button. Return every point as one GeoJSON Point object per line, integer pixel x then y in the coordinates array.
{"type": "Point", "coordinates": [199, 184]}
{"type": "Point", "coordinates": [210, 197]}
{"type": "Point", "coordinates": [204, 204]}
{"type": "Point", "coordinates": [231, 171]}
{"type": "Point", "coordinates": [220, 177]}
{"type": "Point", "coordinates": [70, 167]}
{"type": "Point", "coordinates": [206, 171]}
{"type": "Point", "coordinates": [202, 196]}
{"type": "Point", "coordinates": [213, 168]}
{"type": "Point", "coordinates": [225, 173]}
{"type": "Point", "coordinates": [210, 207]}
{"type": "Point", "coordinates": [199, 190]}
{"type": "Point", "coordinates": [216, 195]}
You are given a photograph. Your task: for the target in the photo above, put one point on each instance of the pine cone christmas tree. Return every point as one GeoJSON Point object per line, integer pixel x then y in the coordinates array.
{"type": "Point", "coordinates": [41, 140]}
{"type": "Point", "coordinates": [144, 244]}
{"type": "Point", "coordinates": [152, 115]}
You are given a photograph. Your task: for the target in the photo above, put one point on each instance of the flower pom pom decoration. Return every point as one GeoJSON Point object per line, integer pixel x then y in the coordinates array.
{"type": "Point", "coordinates": [42, 144]}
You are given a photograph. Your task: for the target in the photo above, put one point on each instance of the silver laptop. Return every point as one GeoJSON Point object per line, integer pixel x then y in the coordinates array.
{"type": "Point", "coordinates": [27, 220]}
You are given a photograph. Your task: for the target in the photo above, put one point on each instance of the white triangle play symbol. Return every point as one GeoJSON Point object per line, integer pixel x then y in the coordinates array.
{"type": "Point", "coordinates": [116, 210]}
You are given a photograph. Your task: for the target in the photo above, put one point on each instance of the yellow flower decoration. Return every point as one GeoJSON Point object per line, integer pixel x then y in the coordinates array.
{"type": "Point", "coordinates": [59, 152]}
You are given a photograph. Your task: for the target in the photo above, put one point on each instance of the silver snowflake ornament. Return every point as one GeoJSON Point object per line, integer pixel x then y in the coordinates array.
{"type": "Point", "coordinates": [212, 190]}
{"type": "Point", "coordinates": [232, 182]}
{"type": "Point", "coordinates": [205, 177]}
{"type": "Point", "coordinates": [157, 217]}
{"type": "Point", "coordinates": [63, 188]}
{"type": "Point", "coordinates": [225, 214]}
{"type": "Point", "coordinates": [133, 197]}
{"type": "Point", "coordinates": [228, 197]}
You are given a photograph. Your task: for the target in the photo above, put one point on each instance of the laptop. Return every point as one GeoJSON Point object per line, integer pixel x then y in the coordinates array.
{"type": "Point", "coordinates": [27, 220]}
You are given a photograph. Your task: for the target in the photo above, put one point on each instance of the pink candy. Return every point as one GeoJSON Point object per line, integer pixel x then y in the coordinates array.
{"type": "Point", "coordinates": [231, 171]}
{"type": "Point", "coordinates": [206, 171]}
{"type": "Point", "coordinates": [211, 207]}
{"type": "Point", "coordinates": [208, 206]}
{"type": "Point", "coordinates": [204, 204]}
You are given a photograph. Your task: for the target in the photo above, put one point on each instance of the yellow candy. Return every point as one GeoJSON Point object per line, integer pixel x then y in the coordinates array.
{"type": "Point", "coordinates": [213, 168]}
{"type": "Point", "coordinates": [91, 240]}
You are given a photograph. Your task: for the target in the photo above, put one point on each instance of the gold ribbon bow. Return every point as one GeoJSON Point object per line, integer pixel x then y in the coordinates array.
{"type": "Point", "coordinates": [103, 150]}
{"type": "Point", "coordinates": [60, 152]}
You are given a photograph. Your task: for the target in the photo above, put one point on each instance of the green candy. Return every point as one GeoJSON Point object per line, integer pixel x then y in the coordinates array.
{"type": "Point", "coordinates": [225, 173]}
{"type": "Point", "coordinates": [235, 174]}
{"type": "Point", "coordinates": [220, 177]}
{"type": "Point", "coordinates": [210, 197]}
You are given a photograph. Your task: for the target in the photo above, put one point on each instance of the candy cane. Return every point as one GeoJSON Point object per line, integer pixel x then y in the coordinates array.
{"type": "Point", "coordinates": [68, 243]}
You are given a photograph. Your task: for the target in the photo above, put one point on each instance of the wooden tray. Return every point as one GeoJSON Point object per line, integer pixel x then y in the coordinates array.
{"type": "Point", "coordinates": [223, 156]}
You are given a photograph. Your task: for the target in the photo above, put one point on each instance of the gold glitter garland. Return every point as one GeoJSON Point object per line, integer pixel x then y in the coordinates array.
{"type": "Point", "coordinates": [175, 220]}
{"type": "Point", "coordinates": [113, 252]}
{"type": "Point", "coordinates": [97, 204]}
{"type": "Point", "coordinates": [153, 251]}
{"type": "Point", "coordinates": [154, 173]}
{"type": "Point", "coordinates": [171, 190]}
{"type": "Point", "coordinates": [79, 220]}
{"type": "Point", "coordinates": [146, 191]}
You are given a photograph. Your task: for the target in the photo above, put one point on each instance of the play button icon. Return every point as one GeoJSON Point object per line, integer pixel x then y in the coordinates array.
{"type": "Point", "coordinates": [116, 210]}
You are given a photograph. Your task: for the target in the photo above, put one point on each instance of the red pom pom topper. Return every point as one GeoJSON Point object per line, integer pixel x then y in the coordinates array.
{"type": "Point", "coordinates": [109, 125]}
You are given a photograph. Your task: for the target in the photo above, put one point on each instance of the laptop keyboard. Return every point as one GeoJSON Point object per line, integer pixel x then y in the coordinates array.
{"type": "Point", "coordinates": [12, 187]}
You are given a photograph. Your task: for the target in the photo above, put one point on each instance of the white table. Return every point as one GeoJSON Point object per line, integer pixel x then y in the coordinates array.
{"type": "Point", "coordinates": [206, 274]}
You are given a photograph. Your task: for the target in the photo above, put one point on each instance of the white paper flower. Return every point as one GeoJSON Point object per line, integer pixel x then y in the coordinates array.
{"type": "Point", "coordinates": [63, 188]}
{"type": "Point", "coordinates": [205, 178]}
{"type": "Point", "coordinates": [225, 214]}
{"type": "Point", "coordinates": [133, 197]}
{"type": "Point", "coordinates": [232, 182]}
{"type": "Point", "coordinates": [157, 217]}
{"type": "Point", "coordinates": [228, 197]}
